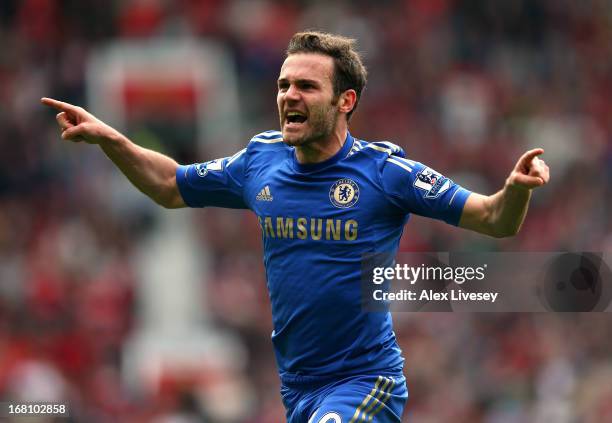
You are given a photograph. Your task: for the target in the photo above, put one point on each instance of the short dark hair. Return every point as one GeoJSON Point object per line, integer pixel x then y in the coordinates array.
{"type": "Point", "coordinates": [349, 71]}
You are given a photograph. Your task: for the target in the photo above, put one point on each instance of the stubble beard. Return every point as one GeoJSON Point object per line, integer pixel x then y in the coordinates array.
{"type": "Point", "coordinates": [322, 123]}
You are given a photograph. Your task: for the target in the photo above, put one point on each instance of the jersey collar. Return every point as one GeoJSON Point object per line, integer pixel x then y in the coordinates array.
{"type": "Point", "coordinates": [311, 167]}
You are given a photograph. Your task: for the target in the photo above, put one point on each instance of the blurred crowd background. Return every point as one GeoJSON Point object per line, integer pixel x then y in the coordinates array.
{"type": "Point", "coordinates": [464, 86]}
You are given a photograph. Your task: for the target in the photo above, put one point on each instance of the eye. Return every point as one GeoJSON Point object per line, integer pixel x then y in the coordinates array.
{"type": "Point", "coordinates": [282, 86]}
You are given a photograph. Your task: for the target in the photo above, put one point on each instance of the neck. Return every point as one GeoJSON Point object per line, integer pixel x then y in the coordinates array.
{"type": "Point", "coordinates": [321, 150]}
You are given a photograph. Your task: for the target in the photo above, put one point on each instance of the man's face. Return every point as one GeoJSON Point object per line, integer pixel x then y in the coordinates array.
{"type": "Point", "coordinates": [306, 105]}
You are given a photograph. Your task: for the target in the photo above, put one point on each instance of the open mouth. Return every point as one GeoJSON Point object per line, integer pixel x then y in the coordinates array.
{"type": "Point", "coordinates": [295, 118]}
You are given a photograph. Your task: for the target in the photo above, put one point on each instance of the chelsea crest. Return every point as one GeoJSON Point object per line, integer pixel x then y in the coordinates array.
{"type": "Point", "coordinates": [344, 193]}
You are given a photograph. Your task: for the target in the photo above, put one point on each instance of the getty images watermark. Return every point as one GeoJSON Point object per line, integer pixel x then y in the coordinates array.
{"type": "Point", "coordinates": [496, 282]}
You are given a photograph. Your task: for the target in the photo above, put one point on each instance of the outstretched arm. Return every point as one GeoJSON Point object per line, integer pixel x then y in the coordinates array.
{"type": "Point", "coordinates": [502, 214]}
{"type": "Point", "coordinates": [152, 173]}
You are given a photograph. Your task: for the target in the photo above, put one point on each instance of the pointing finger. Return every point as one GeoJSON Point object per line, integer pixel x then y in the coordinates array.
{"type": "Point", "coordinates": [524, 163]}
{"type": "Point", "coordinates": [59, 105]}
{"type": "Point", "coordinates": [529, 155]}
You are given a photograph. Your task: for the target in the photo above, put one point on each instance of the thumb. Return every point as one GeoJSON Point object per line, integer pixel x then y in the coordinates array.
{"type": "Point", "coordinates": [74, 133]}
{"type": "Point", "coordinates": [527, 181]}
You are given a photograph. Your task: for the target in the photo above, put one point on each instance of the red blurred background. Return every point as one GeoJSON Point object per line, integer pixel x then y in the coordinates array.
{"type": "Point", "coordinates": [464, 86]}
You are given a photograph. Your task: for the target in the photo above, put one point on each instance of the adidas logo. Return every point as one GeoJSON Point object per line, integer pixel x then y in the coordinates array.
{"type": "Point", "coordinates": [264, 194]}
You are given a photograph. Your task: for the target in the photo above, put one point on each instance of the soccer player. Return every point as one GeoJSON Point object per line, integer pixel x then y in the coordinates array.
{"type": "Point", "coordinates": [323, 198]}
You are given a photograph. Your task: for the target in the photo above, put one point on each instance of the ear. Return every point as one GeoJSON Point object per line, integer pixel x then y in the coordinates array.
{"type": "Point", "coordinates": [347, 101]}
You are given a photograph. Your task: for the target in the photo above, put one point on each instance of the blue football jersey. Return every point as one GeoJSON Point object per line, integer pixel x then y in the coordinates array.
{"type": "Point", "coordinates": [317, 220]}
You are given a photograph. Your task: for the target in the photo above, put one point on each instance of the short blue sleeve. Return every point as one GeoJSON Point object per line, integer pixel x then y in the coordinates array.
{"type": "Point", "coordinates": [416, 188]}
{"type": "Point", "coordinates": [217, 183]}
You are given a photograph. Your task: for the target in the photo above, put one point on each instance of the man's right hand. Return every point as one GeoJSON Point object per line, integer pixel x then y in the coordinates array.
{"type": "Point", "coordinates": [78, 125]}
{"type": "Point", "coordinates": [152, 173]}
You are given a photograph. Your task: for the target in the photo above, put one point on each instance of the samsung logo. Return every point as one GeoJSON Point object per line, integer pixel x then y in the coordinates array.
{"type": "Point", "coordinates": [316, 229]}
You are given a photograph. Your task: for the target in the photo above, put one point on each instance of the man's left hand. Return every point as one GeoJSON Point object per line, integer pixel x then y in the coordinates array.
{"type": "Point", "coordinates": [530, 171]}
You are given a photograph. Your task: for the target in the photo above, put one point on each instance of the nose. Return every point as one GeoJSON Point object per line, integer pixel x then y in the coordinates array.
{"type": "Point", "coordinates": [292, 93]}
